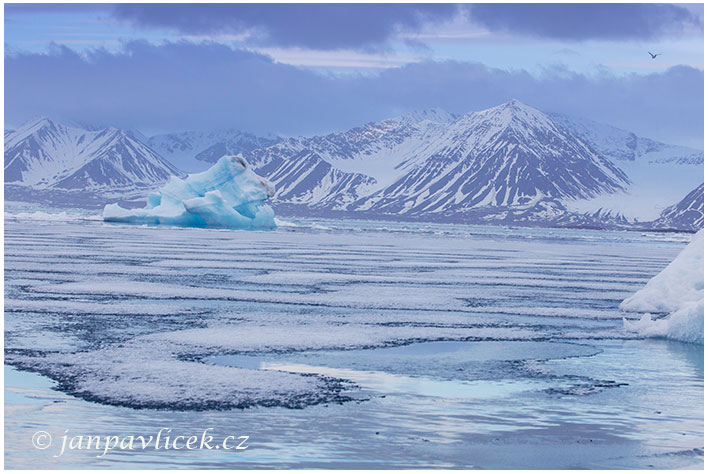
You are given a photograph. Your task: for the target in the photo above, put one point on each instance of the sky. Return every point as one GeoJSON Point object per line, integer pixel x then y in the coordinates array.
{"type": "Point", "coordinates": [306, 69]}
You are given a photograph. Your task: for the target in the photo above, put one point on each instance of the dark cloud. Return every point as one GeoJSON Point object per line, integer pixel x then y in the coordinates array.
{"type": "Point", "coordinates": [177, 85]}
{"type": "Point", "coordinates": [180, 86]}
{"type": "Point", "coordinates": [577, 21]}
{"type": "Point", "coordinates": [337, 26]}
{"type": "Point", "coordinates": [317, 26]}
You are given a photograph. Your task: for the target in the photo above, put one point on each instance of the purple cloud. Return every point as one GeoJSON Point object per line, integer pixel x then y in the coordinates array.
{"type": "Point", "coordinates": [585, 21]}
{"type": "Point", "coordinates": [317, 26]}
{"type": "Point", "coordinates": [336, 26]}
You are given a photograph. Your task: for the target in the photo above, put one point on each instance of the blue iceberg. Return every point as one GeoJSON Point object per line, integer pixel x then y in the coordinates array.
{"type": "Point", "coordinates": [228, 195]}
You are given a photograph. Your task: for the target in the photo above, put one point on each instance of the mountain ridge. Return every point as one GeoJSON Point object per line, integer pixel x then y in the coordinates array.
{"type": "Point", "coordinates": [46, 155]}
{"type": "Point", "coordinates": [687, 214]}
{"type": "Point", "coordinates": [509, 155]}
{"type": "Point", "coordinates": [195, 150]}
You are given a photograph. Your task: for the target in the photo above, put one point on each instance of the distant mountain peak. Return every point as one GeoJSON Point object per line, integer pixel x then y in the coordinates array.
{"type": "Point", "coordinates": [435, 114]}
{"type": "Point", "coordinates": [625, 146]}
{"type": "Point", "coordinates": [514, 105]}
{"type": "Point", "coordinates": [515, 110]}
{"type": "Point", "coordinates": [190, 150]}
{"type": "Point", "coordinates": [36, 123]}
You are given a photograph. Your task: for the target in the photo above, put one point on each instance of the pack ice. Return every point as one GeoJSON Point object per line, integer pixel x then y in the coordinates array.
{"type": "Point", "coordinates": [678, 292]}
{"type": "Point", "coordinates": [228, 194]}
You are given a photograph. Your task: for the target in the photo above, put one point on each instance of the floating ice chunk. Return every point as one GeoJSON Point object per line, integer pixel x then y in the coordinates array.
{"type": "Point", "coordinates": [681, 281]}
{"type": "Point", "coordinates": [228, 195]}
{"type": "Point", "coordinates": [282, 223]}
{"type": "Point", "coordinates": [677, 290]}
{"type": "Point", "coordinates": [685, 324]}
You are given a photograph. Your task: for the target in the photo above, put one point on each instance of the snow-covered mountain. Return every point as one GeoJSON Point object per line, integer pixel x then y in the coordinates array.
{"type": "Point", "coordinates": [660, 174]}
{"type": "Point", "coordinates": [622, 145]}
{"type": "Point", "coordinates": [688, 214]}
{"type": "Point", "coordinates": [508, 156]}
{"type": "Point", "coordinates": [196, 151]}
{"type": "Point", "coordinates": [333, 171]}
{"type": "Point", "coordinates": [508, 164]}
{"type": "Point", "coordinates": [433, 164]}
{"type": "Point", "coordinates": [43, 155]}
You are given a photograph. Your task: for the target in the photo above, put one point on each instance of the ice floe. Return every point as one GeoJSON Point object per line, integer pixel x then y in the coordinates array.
{"type": "Point", "coordinates": [152, 376]}
{"type": "Point", "coordinates": [155, 370]}
{"type": "Point", "coordinates": [678, 292]}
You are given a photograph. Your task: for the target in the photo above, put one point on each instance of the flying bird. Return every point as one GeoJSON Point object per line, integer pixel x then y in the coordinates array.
{"type": "Point", "coordinates": [653, 55]}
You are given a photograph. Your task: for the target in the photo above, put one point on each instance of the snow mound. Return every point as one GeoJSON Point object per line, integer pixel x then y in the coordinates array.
{"type": "Point", "coordinates": [678, 292]}
{"type": "Point", "coordinates": [680, 282]}
{"type": "Point", "coordinates": [685, 324]}
{"type": "Point", "coordinates": [228, 194]}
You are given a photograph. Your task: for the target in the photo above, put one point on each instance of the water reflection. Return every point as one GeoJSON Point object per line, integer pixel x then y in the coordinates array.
{"type": "Point", "coordinates": [656, 420]}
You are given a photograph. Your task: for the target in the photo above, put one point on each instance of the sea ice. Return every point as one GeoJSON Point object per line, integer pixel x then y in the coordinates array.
{"type": "Point", "coordinates": [677, 290]}
{"type": "Point", "coordinates": [228, 194]}
{"type": "Point", "coordinates": [152, 376]}
{"type": "Point", "coordinates": [129, 315]}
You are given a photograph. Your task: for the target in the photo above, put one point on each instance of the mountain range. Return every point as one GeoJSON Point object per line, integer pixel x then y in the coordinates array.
{"type": "Point", "coordinates": [433, 164]}
{"type": "Point", "coordinates": [511, 163]}
{"type": "Point", "coordinates": [195, 150]}
{"type": "Point", "coordinates": [46, 158]}
{"type": "Point", "coordinates": [624, 146]}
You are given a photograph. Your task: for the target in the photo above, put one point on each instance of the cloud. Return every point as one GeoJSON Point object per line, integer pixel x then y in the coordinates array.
{"type": "Point", "coordinates": [358, 26]}
{"type": "Point", "coordinates": [170, 87]}
{"type": "Point", "coordinates": [316, 26]}
{"type": "Point", "coordinates": [576, 21]}
{"type": "Point", "coordinates": [35, 8]}
{"type": "Point", "coordinates": [666, 106]}
{"type": "Point", "coordinates": [180, 86]}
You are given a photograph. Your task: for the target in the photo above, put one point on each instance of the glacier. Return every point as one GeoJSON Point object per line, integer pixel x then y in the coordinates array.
{"type": "Point", "coordinates": [228, 195]}
{"type": "Point", "coordinates": [678, 291]}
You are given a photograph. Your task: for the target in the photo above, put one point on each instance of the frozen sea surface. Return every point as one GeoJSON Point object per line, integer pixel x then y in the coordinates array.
{"type": "Point", "coordinates": [343, 344]}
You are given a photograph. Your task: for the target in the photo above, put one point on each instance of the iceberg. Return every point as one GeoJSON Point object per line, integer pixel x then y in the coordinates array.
{"type": "Point", "coordinates": [678, 292]}
{"type": "Point", "coordinates": [228, 195]}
